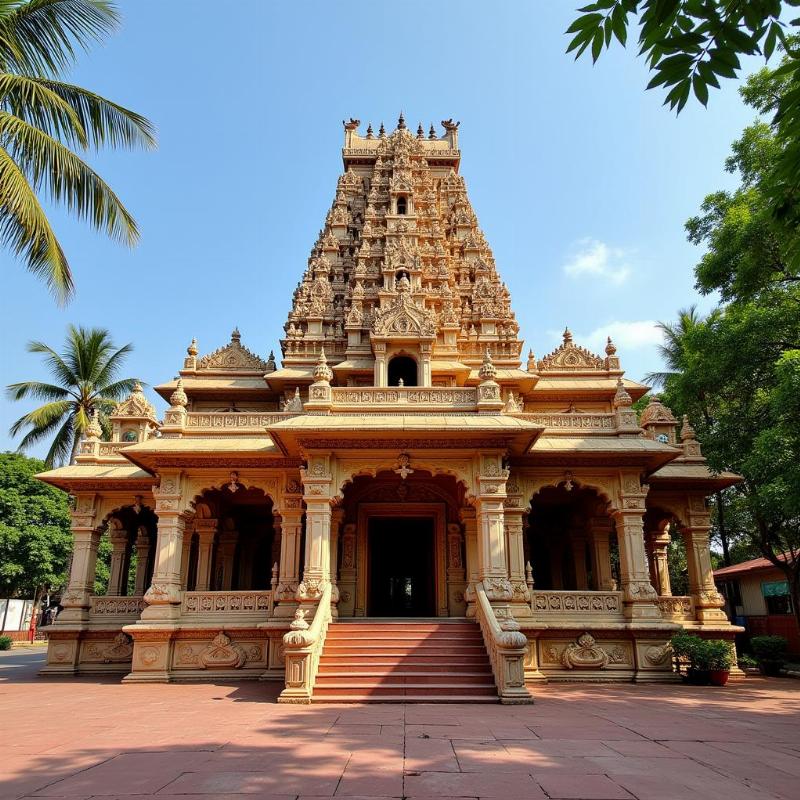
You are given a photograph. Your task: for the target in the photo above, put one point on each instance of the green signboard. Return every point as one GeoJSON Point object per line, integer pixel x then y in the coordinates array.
{"type": "Point", "coordinates": [775, 588]}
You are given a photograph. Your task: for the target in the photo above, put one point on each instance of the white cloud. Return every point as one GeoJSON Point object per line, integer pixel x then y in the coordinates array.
{"type": "Point", "coordinates": [592, 257]}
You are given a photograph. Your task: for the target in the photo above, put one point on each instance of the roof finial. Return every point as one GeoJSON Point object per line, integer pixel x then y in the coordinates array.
{"type": "Point", "coordinates": [93, 429]}
{"type": "Point", "coordinates": [567, 335]}
{"type": "Point", "coordinates": [178, 398]}
{"type": "Point", "coordinates": [621, 396]}
{"type": "Point", "coordinates": [235, 335]}
{"type": "Point", "coordinates": [369, 131]}
{"type": "Point", "coordinates": [432, 132]}
{"type": "Point", "coordinates": [192, 348]}
{"type": "Point", "coordinates": [611, 348]}
{"type": "Point", "coordinates": [322, 372]}
{"type": "Point", "coordinates": [382, 132]}
{"type": "Point", "coordinates": [401, 122]}
{"type": "Point", "coordinates": [531, 361]}
{"type": "Point", "coordinates": [687, 431]}
{"type": "Point", "coordinates": [488, 370]}
{"type": "Point", "coordinates": [420, 132]}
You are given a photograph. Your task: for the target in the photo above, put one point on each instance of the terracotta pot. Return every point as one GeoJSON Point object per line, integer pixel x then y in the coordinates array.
{"type": "Point", "coordinates": [719, 677]}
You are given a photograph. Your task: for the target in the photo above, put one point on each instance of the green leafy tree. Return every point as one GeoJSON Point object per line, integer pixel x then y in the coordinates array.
{"type": "Point", "coordinates": [689, 45]}
{"type": "Point", "coordinates": [86, 382]}
{"type": "Point", "coordinates": [45, 123]}
{"type": "Point", "coordinates": [737, 372]}
{"type": "Point", "coordinates": [35, 539]}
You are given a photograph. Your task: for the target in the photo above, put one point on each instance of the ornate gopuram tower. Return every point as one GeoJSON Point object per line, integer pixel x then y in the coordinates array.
{"type": "Point", "coordinates": [401, 510]}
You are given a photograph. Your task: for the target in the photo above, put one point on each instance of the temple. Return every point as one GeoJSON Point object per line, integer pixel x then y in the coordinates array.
{"type": "Point", "coordinates": [407, 508]}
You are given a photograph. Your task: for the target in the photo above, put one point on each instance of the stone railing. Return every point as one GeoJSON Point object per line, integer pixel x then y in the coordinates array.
{"type": "Point", "coordinates": [506, 646]}
{"type": "Point", "coordinates": [411, 398]}
{"type": "Point", "coordinates": [676, 607]}
{"type": "Point", "coordinates": [577, 604]}
{"type": "Point", "coordinates": [303, 646]}
{"type": "Point", "coordinates": [253, 603]}
{"type": "Point", "coordinates": [108, 449]}
{"type": "Point", "coordinates": [112, 606]}
{"type": "Point", "coordinates": [232, 421]}
{"type": "Point", "coordinates": [574, 421]}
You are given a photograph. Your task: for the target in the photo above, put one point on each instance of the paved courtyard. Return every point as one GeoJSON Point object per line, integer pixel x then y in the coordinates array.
{"type": "Point", "coordinates": [98, 738]}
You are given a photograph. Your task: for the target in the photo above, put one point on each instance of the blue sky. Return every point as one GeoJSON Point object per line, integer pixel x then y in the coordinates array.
{"type": "Point", "coordinates": [581, 180]}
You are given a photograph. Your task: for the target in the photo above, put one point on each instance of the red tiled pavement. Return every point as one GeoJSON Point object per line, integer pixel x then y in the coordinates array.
{"type": "Point", "coordinates": [98, 738]}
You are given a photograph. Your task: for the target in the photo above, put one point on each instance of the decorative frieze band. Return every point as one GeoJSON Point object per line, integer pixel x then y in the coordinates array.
{"type": "Point", "coordinates": [577, 602]}
{"type": "Point", "coordinates": [231, 420]}
{"type": "Point", "coordinates": [116, 606]}
{"type": "Point", "coordinates": [227, 603]}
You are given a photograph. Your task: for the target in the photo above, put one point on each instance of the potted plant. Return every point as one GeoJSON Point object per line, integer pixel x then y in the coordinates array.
{"type": "Point", "coordinates": [718, 657]}
{"type": "Point", "coordinates": [688, 648]}
{"type": "Point", "coordinates": [769, 652]}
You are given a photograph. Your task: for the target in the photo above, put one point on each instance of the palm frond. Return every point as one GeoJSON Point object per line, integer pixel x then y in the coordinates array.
{"type": "Point", "coordinates": [657, 378]}
{"type": "Point", "coordinates": [26, 231]}
{"type": "Point", "coordinates": [31, 99]}
{"type": "Point", "coordinates": [63, 372]}
{"type": "Point", "coordinates": [106, 122]}
{"type": "Point", "coordinates": [67, 179]}
{"type": "Point", "coordinates": [63, 443]}
{"type": "Point", "coordinates": [114, 392]}
{"type": "Point", "coordinates": [44, 36]}
{"type": "Point", "coordinates": [41, 420]}
{"type": "Point", "coordinates": [109, 367]}
{"type": "Point", "coordinates": [37, 390]}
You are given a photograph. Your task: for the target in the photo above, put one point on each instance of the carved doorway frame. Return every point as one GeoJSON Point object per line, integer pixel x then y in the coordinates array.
{"type": "Point", "coordinates": [436, 511]}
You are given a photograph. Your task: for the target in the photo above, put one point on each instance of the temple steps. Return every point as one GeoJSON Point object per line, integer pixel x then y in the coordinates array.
{"type": "Point", "coordinates": [404, 661]}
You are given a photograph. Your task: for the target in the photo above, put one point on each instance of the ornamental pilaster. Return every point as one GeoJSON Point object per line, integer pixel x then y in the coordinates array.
{"type": "Point", "coordinates": [289, 566]}
{"type": "Point", "coordinates": [85, 541]}
{"type": "Point", "coordinates": [659, 561]}
{"type": "Point", "coordinates": [118, 537]}
{"type": "Point", "coordinates": [639, 596]}
{"type": "Point", "coordinates": [515, 549]}
{"type": "Point", "coordinates": [317, 483]}
{"type": "Point", "coordinates": [142, 546]}
{"type": "Point", "coordinates": [600, 533]}
{"type": "Point", "coordinates": [164, 595]}
{"type": "Point", "coordinates": [206, 530]}
{"type": "Point", "coordinates": [708, 602]}
{"type": "Point", "coordinates": [469, 519]}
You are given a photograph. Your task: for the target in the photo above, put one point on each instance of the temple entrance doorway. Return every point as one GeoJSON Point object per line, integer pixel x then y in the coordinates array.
{"type": "Point", "coordinates": [401, 567]}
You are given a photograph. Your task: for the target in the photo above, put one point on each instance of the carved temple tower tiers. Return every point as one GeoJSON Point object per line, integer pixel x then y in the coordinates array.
{"type": "Point", "coordinates": [399, 476]}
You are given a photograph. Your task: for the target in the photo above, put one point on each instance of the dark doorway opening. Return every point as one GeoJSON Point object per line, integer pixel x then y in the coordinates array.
{"type": "Point", "coordinates": [402, 368]}
{"type": "Point", "coordinates": [401, 567]}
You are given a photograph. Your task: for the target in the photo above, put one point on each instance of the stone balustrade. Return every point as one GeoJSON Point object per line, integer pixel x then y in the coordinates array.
{"type": "Point", "coordinates": [112, 606]}
{"type": "Point", "coordinates": [254, 603]}
{"type": "Point", "coordinates": [232, 421]}
{"type": "Point", "coordinates": [574, 421]}
{"type": "Point", "coordinates": [411, 398]}
{"type": "Point", "coordinates": [578, 604]}
{"type": "Point", "coordinates": [676, 607]}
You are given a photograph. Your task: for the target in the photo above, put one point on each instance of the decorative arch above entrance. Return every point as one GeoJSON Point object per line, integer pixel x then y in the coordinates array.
{"type": "Point", "coordinates": [403, 368]}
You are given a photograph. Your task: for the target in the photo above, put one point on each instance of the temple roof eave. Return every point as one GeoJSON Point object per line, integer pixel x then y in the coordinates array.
{"type": "Point", "coordinates": [390, 431]}
{"type": "Point", "coordinates": [680, 475]}
{"type": "Point", "coordinates": [602, 386]}
{"type": "Point", "coordinates": [94, 477]}
{"type": "Point", "coordinates": [199, 451]}
{"type": "Point", "coordinates": [221, 386]}
{"type": "Point", "coordinates": [605, 450]}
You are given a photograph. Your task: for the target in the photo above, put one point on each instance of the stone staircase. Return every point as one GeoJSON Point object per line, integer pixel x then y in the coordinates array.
{"type": "Point", "coordinates": [404, 661]}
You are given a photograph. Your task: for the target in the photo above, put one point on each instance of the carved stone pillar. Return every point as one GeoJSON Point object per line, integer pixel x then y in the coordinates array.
{"type": "Point", "coordinates": [708, 602]}
{"type": "Point", "coordinates": [521, 598]}
{"type": "Point", "coordinates": [275, 552]}
{"type": "Point", "coordinates": [142, 558]}
{"type": "Point", "coordinates": [118, 537]}
{"type": "Point", "coordinates": [347, 573]}
{"type": "Point", "coordinates": [164, 595]}
{"type": "Point", "coordinates": [186, 552]}
{"type": "Point", "coordinates": [470, 522]}
{"type": "Point", "coordinates": [456, 573]}
{"type": "Point", "coordinates": [577, 541]}
{"type": "Point", "coordinates": [600, 532]}
{"type": "Point", "coordinates": [206, 531]}
{"type": "Point", "coordinates": [289, 567]}
{"type": "Point", "coordinates": [226, 551]}
{"type": "Point", "coordinates": [425, 378]}
{"type": "Point", "coordinates": [381, 377]}
{"type": "Point", "coordinates": [639, 596]}
{"type": "Point", "coordinates": [659, 562]}
{"type": "Point", "coordinates": [492, 562]}
{"type": "Point", "coordinates": [337, 517]}
{"type": "Point", "coordinates": [85, 541]}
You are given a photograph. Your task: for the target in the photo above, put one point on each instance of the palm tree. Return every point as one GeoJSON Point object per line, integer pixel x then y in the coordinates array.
{"type": "Point", "coordinates": [85, 384]}
{"type": "Point", "coordinates": [671, 351]}
{"type": "Point", "coordinates": [44, 120]}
